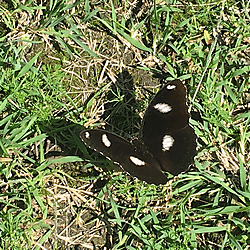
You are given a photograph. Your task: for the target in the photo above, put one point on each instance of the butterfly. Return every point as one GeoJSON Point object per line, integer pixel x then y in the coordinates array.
{"type": "Point", "coordinates": [166, 142]}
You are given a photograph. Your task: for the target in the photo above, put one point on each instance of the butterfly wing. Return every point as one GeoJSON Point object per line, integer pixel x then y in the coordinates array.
{"type": "Point", "coordinates": [165, 129]}
{"type": "Point", "coordinates": [167, 111]}
{"type": "Point", "coordinates": [131, 158]}
{"type": "Point", "coordinates": [174, 150]}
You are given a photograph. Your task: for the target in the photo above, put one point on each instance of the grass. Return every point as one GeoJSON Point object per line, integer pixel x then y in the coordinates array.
{"type": "Point", "coordinates": [69, 65]}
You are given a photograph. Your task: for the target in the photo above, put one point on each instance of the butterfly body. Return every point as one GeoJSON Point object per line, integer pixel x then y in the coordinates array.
{"type": "Point", "coordinates": [166, 141]}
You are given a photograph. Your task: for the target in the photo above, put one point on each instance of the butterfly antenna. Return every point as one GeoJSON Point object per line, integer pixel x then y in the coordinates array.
{"type": "Point", "coordinates": [147, 90]}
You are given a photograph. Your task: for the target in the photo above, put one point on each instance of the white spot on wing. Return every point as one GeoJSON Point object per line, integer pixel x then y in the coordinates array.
{"type": "Point", "coordinates": [167, 142]}
{"type": "Point", "coordinates": [106, 141]}
{"type": "Point", "coordinates": [163, 107]}
{"type": "Point", "coordinates": [171, 86]}
{"type": "Point", "coordinates": [137, 161]}
{"type": "Point", "coordinates": [87, 135]}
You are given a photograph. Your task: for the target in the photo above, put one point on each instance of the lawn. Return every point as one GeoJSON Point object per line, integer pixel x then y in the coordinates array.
{"type": "Point", "coordinates": [66, 66]}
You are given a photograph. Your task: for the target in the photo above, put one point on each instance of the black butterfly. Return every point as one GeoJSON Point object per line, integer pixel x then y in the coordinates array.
{"type": "Point", "coordinates": [166, 141]}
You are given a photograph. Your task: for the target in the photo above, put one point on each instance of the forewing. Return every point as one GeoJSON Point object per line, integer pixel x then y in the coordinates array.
{"type": "Point", "coordinates": [166, 112]}
{"type": "Point", "coordinates": [120, 151]}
